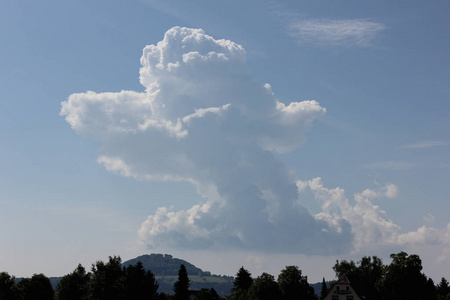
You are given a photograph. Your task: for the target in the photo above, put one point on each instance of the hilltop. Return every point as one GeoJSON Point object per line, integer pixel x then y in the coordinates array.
{"type": "Point", "coordinates": [165, 265]}
{"type": "Point", "coordinates": [165, 268]}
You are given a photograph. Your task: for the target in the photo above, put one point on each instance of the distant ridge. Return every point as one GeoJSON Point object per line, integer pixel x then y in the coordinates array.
{"type": "Point", "coordinates": [165, 265]}
{"type": "Point", "coordinates": [165, 268]}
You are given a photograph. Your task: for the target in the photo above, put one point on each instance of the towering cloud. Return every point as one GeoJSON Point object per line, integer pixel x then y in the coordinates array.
{"type": "Point", "coordinates": [204, 120]}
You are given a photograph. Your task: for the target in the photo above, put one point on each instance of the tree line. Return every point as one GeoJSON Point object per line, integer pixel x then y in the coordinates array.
{"type": "Point", "coordinates": [107, 281]}
{"type": "Point", "coordinates": [402, 279]}
{"type": "Point", "coordinates": [291, 284]}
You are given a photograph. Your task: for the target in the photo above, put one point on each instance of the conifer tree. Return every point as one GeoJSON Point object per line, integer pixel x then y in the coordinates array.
{"type": "Point", "coordinates": [324, 290]}
{"type": "Point", "coordinates": [139, 283]}
{"type": "Point", "coordinates": [181, 287]}
{"type": "Point", "coordinates": [242, 283]}
{"type": "Point", "coordinates": [243, 280]}
{"type": "Point", "coordinates": [443, 290]}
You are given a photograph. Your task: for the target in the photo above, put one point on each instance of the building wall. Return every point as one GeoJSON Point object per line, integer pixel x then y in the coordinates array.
{"type": "Point", "coordinates": [342, 291]}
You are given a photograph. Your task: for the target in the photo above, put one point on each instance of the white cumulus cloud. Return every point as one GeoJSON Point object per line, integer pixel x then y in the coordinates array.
{"type": "Point", "coordinates": [203, 119]}
{"type": "Point", "coordinates": [388, 191]}
{"type": "Point", "coordinates": [370, 224]}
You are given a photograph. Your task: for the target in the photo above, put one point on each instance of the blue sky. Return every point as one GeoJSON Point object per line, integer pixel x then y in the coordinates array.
{"type": "Point", "coordinates": [321, 128]}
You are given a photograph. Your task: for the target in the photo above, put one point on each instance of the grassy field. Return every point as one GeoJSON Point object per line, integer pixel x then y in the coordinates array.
{"type": "Point", "coordinates": [222, 285]}
{"type": "Point", "coordinates": [195, 279]}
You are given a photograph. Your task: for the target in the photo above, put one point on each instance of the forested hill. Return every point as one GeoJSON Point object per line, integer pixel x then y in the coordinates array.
{"type": "Point", "coordinates": [165, 268]}
{"type": "Point", "coordinates": [165, 265]}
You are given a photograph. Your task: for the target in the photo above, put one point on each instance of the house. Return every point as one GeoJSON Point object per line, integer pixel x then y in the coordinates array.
{"type": "Point", "coordinates": [342, 290]}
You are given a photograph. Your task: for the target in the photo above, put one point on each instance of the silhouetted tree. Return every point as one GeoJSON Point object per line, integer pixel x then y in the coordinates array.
{"type": "Point", "coordinates": [243, 280]}
{"type": "Point", "coordinates": [140, 284]}
{"type": "Point", "coordinates": [207, 294]}
{"type": "Point", "coordinates": [443, 290]}
{"type": "Point", "coordinates": [324, 289]}
{"type": "Point", "coordinates": [241, 284]}
{"type": "Point", "coordinates": [181, 286]}
{"type": "Point", "coordinates": [363, 276]}
{"type": "Point", "coordinates": [264, 288]}
{"type": "Point", "coordinates": [7, 287]}
{"type": "Point", "coordinates": [344, 267]}
{"type": "Point", "coordinates": [293, 285]}
{"type": "Point", "coordinates": [107, 282]}
{"type": "Point", "coordinates": [38, 287]}
{"type": "Point", "coordinates": [405, 281]}
{"type": "Point", "coordinates": [164, 296]}
{"type": "Point", "coordinates": [213, 294]}
{"type": "Point", "coordinates": [74, 286]}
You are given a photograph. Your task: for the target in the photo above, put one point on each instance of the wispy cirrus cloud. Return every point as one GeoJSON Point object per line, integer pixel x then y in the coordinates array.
{"type": "Point", "coordinates": [357, 32]}
{"type": "Point", "coordinates": [427, 144]}
{"type": "Point", "coordinates": [391, 165]}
